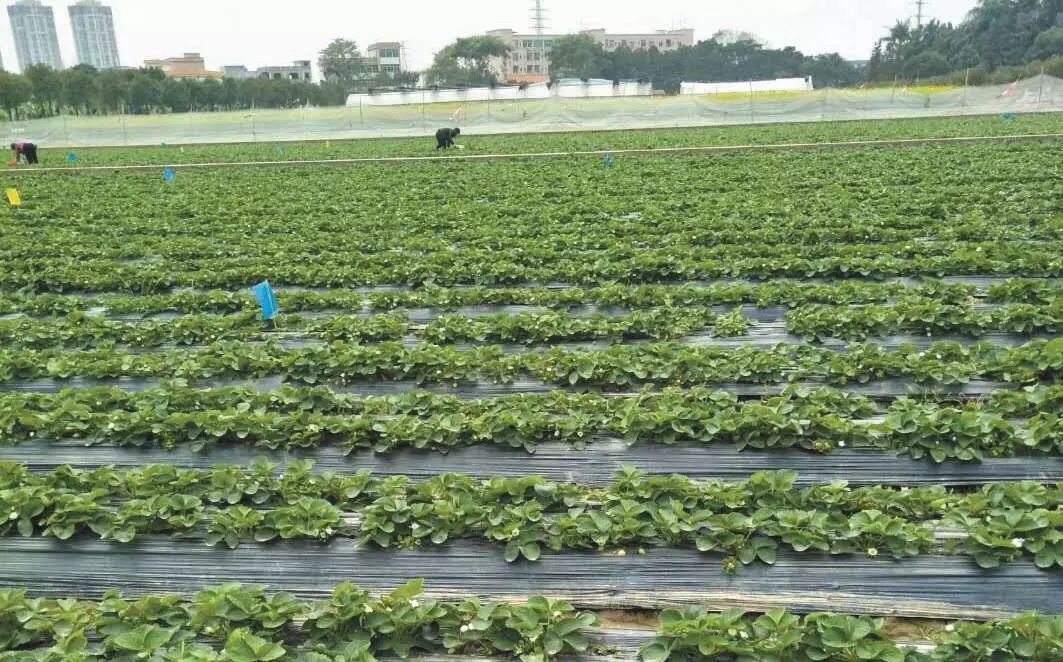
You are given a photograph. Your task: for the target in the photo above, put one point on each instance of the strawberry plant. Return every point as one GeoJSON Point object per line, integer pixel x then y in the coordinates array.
{"type": "Point", "coordinates": [731, 324]}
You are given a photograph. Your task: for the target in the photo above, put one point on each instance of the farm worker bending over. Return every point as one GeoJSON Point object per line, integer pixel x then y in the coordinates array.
{"type": "Point", "coordinates": [24, 150]}
{"type": "Point", "coordinates": [445, 138]}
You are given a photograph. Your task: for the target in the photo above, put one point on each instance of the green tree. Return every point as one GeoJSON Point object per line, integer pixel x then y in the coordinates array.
{"type": "Point", "coordinates": [466, 61]}
{"type": "Point", "coordinates": [576, 56]}
{"type": "Point", "coordinates": [926, 64]}
{"type": "Point", "coordinates": [112, 90]}
{"type": "Point", "coordinates": [46, 86]}
{"type": "Point", "coordinates": [145, 94]}
{"type": "Point", "coordinates": [207, 94]}
{"type": "Point", "coordinates": [996, 34]}
{"type": "Point", "coordinates": [1048, 43]}
{"type": "Point", "coordinates": [79, 88]}
{"type": "Point", "coordinates": [230, 93]}
{"type": "Point", "coordinates": [15, 91]}
{"type": "Point", "coordinates": [831, 70]}
{"type": "Point", "coordinates": [333, 94]}
{"type": "Point", "coordinates": [176, 96]}
{"type": "Point", "coordinates": [341, 61]}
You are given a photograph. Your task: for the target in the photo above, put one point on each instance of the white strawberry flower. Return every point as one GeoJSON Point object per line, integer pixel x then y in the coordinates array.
{"type": "Point", "coordinates": [415, 603]}
{"type": "Point", "coordinates": [950, 627]}
{"type": "Point", "coordinates": [464, 628]}
{"type": "Point", "coordinates": [1017, 542]}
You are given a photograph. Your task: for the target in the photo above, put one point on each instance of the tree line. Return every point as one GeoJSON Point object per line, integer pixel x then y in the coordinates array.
{"type": "Point", "coordinates": [998, 41]}
{"type": "Point", "coordinates": [41, 91]}
{"type": "Point", "coordinates": [727, 56]}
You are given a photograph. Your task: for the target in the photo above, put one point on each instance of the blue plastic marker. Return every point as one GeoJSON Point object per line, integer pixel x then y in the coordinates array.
{"type": "Point", "coordinates": [608, 160]}
{"type": "Point", "coordinates": [169, 174]}
{"type": "Point", "coordinates": [71, 157]}
{"type": "Point", "coordinates": [266, 299]}
{"type": "Point", "coordinates": [1009, 116]}
{"type": "Point", "coordinates": [278, 150]}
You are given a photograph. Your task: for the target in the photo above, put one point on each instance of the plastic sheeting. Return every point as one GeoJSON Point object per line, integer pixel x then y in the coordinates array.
{"type": "Point", "coordinates": [594, 465]}
{"type": "Point", "coordinates": [616, 645]}
{"type": "Point", "coordinates": [886, 388]}
{"type": "Point", "coordinates": [923, 586]}
{"type": "Point", "coordinates": [561, 113]}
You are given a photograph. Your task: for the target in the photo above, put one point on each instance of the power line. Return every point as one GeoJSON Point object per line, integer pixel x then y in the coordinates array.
{"type": "Point", "coordinates": [538, 17]}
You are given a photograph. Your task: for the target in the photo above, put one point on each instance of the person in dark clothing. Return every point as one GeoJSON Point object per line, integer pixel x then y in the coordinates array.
{"type": "Point", "coordinates": [445, 138]}
{"type": "Point", "coordinates": [24, 150]}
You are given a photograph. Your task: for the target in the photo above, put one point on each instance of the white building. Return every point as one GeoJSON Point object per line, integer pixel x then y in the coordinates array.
{"type": "Point", "coordinates": [529, 55]}
{"type": "Point", "coordinates": [36, 41]}
{"type": "Point", "coordinates": [388, 55]}
{"type": "Point", "coordinates": [298, 70]}
{"type": "Point", "coordinates": [94, 37]}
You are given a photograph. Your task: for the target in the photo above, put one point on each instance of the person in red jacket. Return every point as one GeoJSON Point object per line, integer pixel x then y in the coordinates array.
{"type": "Point", "coordinates": [23, 149]}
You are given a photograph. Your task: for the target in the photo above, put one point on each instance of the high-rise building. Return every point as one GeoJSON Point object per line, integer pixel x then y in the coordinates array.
{"type": "Point", "coordinates": [94, 38]}
{"type": "Point", "coordinates": [35, 39]}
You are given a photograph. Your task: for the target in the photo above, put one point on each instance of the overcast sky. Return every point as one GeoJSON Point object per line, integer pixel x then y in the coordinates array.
{"type": "Point", "coordinates": [269, 32]}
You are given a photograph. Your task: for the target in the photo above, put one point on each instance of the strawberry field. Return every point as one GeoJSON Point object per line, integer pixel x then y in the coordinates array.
{"type": "Point", "coordinates": [757, 405]}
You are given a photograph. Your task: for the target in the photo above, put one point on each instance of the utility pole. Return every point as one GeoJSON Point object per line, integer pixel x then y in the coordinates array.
{"type": "Point", "coordinates": [538, 26]}
{"type": "Point", "coordinates": [538, 17]}
{"type": "Point", "coordinates": [919, 4]}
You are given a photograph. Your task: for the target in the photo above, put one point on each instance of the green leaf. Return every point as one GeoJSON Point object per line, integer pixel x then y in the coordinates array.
{"type": "Point", "coordinates": [144, 639]}
{"type": "Point", "coordinates": [409, 590]}
{"type": "Point", "coordinates": [531, 551]}
{"type": "Point", "coordinates": [242, 646]}
{"type": "Point", "coordinates": [657, 651]}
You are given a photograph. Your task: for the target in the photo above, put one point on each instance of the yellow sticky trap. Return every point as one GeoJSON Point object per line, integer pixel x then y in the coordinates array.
{"type": "Point", "coordinates": [14, 197]}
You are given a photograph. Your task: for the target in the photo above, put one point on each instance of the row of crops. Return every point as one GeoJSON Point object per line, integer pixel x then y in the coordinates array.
{"type": "Point", "coordinates": [815, 322]}
{"type": "Point", "coordinates": [785, 405]}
